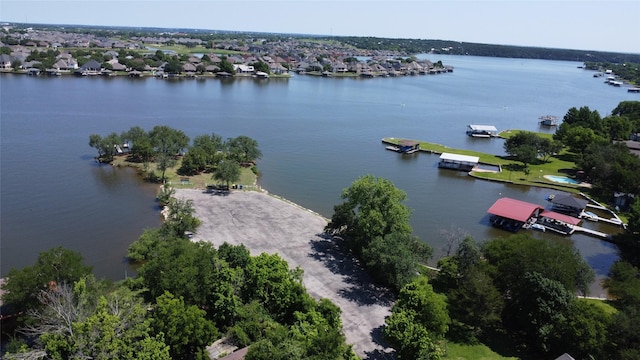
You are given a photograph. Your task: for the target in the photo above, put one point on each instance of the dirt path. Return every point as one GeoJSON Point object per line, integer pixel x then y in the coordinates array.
{"type": "Point", "coordinates": [264, 223]}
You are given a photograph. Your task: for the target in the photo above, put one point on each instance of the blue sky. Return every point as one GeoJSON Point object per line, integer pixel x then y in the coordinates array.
{"type": "Point", "coordinates": [585, 24]}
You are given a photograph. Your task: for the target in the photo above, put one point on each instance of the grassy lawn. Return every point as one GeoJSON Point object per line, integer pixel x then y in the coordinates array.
{"type": "Point", "coordinates": [472, 352]}
{"type": "Point", "coordinates": [248, 179]}
{"type": "Point", "coordinates": [512, 171]}
{"type": "Point", "coordinates": [602, 305]}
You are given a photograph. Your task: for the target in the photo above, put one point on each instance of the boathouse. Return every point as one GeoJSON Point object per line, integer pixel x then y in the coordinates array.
{"type": "Point", "coordinates": [482, 130]}
{"type": "Point", "coordinates": [548, 120]}
{"type": "Point", "coordinates": [511, 214]}
{"type": "Point", "coordinates": [408, 146]}
{"type": "Point", "coordinates": [458, 162]}
{"type": "Point", "coordinates": [569, 204]}
{"type": "Point", "coordinates": [563, 224]}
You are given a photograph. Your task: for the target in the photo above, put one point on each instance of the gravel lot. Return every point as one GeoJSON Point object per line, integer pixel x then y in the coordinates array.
{"type": "Point", "coordinates": [264, 223]}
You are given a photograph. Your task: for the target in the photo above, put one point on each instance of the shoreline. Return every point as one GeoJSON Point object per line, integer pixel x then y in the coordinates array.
{"type": "Point", "coordinates": [268, 223]}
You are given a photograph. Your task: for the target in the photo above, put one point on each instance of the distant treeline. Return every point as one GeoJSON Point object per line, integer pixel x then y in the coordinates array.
{"type": "Point", "coordinates": [414, 46]}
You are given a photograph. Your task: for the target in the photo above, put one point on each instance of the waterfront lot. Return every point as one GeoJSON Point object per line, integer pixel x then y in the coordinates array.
{"type": "Point", "coordinates": [264, 223]}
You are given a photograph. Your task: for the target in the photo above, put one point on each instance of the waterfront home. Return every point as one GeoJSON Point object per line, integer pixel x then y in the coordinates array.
{"type": "Point", "coordinates": [458, 162]}
{"type": "Point", "coordinates": [277, 68]}
{"type": "Point", "coordinates": [5, 61]}
{"type": "Point", "coordinates": [91, 67]}
{"type": "Point", "coordinates": [189, 68]}
{"type": "Point", "coordinates": [482, 130]}
{"type": "Point", "coordinates": [243, 69]}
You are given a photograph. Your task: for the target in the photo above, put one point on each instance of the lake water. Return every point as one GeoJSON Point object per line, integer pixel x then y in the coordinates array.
{"type": "Point", "coordinates": [317, 135]}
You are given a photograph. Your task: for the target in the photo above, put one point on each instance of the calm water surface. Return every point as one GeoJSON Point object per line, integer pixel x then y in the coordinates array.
{"type": "Point", "coordinates": [317, 136]}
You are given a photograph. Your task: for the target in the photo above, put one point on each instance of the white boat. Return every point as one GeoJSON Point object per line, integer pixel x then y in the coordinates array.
{"type": "Point", "coordinates": [589, 216]}
{"type": "Point", "coordinates": [538, 227]}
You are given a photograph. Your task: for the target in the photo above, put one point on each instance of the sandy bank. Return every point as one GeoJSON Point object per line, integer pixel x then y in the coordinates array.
{"type": "Point", "coordinates": [264, 223]}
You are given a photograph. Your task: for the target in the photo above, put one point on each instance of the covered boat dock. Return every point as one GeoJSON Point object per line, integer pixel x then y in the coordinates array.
{"type": "Point", "coordinates": [561, 223]}
{"type": "Point", "coordinates": [482, 130]}
{"type": "Point", "coordinates": [458, 162]}
{"type": "Point", "coordinates": [512, 215]}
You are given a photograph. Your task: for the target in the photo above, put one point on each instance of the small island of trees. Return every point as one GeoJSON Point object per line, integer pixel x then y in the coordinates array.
{"type": "Point", "coordinates": [165, 149]}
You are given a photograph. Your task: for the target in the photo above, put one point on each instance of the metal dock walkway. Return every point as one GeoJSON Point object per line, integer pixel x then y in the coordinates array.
{"type": "Point", "coordinates": [591, 232]}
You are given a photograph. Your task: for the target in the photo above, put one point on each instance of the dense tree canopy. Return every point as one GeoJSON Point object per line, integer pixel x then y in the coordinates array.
{"type": "Point", "coordinates": [54, 267]}
{"type": "Point", "coordinates": [372, 208]}
{"type": "Point", "coordinates": [528, 147]}
{"type": "Point", "coordinates": [375, 223]}
{"type": "Point", "coordinates": [418, 322]}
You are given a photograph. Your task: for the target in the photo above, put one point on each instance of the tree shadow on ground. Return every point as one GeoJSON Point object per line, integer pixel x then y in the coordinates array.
{"type": "Point", "coordinates": [379, 354]}
{"type": "Point", "coordinates": [338, 260]}
{"type": "Point", "coordinates": [514, 167]}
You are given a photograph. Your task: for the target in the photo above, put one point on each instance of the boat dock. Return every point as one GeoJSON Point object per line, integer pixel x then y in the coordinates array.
{"type": "Point", "coordinates": [591, 232]}
{"type": "Point", "coordinates": [615, 220]}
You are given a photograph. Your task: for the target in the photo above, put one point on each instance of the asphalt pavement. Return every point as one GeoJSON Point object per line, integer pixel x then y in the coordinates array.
{"type": "Point", "coordinates": [265, 223]}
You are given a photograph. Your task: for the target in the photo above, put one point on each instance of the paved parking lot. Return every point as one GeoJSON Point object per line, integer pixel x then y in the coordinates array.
{"type": "Point", "coordinates": [264, 223]}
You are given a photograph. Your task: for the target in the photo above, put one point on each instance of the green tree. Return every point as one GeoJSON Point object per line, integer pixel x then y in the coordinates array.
{"type": "Point", "coordinates": [167, 143]}
{"type": "Point", "coordinates": [624, 334]}
{"type": "Point", "coordinates": [76, 322]}
{"type": "Point", "coordinates": [279, 289]}
{"type": "Point", "coordinates": [194, 272]}
{"type": "Point", "coordinates": [106, 146]}
{"type": "Point", "coordinates": [261, 66]}
{"type": "Point", "coordinates": [226, 66]}
{"type": "Point", "coordinates": [185, 328]}
{"type": "Point", "coordinates": [585, 331]}
{"type": "Point", "coordinates": [180, 219]}
{"type": "Point", "coordinates": [372, 208]}
{"type": "Point", "coordinates": [475, 304]}
{"type": "Point", "coordinates": [165, 162]}
{"type": "Point", "coordinates": [227, 171]}
{"type": "Point", "coordinates": [628, 109]}
{"type": "Point", "coordinates": [509, 259]}
{"type": "Point", "coordinates": [53, 267]}
{"type": "Point", "coordinates": [419, 320]}
{"type": "Point", "coordinates": [548, 148]}
{"type": "Point", "coordinates": [536, 309]}
{"type": "Point", "coordinates": [394, 259]}
{"type": "Point", "coordinates": [173, 66]}
{"type": "Point", "coordinates": [214, 149]}
{"type": "Point", "coordinates": [166, 140]}
{"type": "Point", "coordinates": [623, 283]}
{"type": "Point", "coordinates": [166, 193]}
{"type": "Point", "coordinates": [243, 149]}
{"type": "Point", "coordinates": [193, 162]}
{"type": "Point", "coordinates": [611, 168]}
{"type": "Point", "coordinates": [526, 146]}
{"type": "Point", "coordinates": [618, 127]}
{"type": "Point", "coordinates": [579, 138]}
